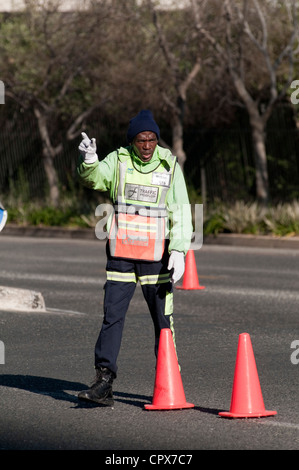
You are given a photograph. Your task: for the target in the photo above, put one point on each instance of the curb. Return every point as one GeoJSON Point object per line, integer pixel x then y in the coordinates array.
{"type": "Point", "coordinates": [262, 241]}
{"type": "Point", "coordinates": [49, 232]}
{"type": "Point", "coordinates": [228, 239]}
{"type": "Point", "coordinates": [19, 300]}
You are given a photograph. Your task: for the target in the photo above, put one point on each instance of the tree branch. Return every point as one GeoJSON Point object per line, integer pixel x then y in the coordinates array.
{"type": "Point", "coordinates": [170, 58]}
{"type": "Point", "coordinates": [74, 130]}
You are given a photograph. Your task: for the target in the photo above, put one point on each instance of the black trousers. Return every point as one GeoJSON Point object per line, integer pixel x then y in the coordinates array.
{"type": "Point", "coordinates": [122, 278]}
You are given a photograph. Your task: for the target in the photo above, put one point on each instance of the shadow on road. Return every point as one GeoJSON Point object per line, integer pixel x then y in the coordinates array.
{"type": "Point", "coordinates": [132, 399]}
{"type": "Point", "coordinates": [61, 390]}
{"type": "Point", "coordinates": [55, 388]}
{"type": "Point", "coordinates": [212, 411]}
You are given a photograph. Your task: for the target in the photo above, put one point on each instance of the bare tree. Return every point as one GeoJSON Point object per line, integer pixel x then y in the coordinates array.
{"type": "Point", "coordinates": [54, 68]}
{"type": "Point", "coordinates": [175, 97]}
{"type": "Point", "coordinates": [50, 150]}
{"type": "Point", "coordinates": [249, 50]}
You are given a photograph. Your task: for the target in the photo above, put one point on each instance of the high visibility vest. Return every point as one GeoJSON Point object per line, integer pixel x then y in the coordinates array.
{"type": "Point", "coordinates": [140, 219]}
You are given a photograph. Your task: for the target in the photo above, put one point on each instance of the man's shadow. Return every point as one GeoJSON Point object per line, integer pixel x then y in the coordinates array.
{"type": "Point", "coordinates": [62, 390]}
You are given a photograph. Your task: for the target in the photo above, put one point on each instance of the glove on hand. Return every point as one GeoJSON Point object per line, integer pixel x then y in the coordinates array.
{"type": "Point", "coordinates": [177, 262]}
{"type": "Point", "coordinates": [88, 149]}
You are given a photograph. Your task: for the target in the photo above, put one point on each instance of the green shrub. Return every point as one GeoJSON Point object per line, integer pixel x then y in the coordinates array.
{"type": "Point", "coordinates": [251, 218]}
{"type": "Point", "coordinates": [240, 217]}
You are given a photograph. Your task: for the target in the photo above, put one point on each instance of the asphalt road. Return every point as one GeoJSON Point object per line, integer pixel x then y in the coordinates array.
{"type": "Point", "coordinates": [49, 356]}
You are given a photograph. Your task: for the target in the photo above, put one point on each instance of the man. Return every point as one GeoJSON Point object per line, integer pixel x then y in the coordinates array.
{"type": "Point", "coordinates": [149, 234]}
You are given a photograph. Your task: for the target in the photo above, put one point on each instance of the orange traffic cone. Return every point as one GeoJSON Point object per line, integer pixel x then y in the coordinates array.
{"type": "Point", "coordinates": [168, 392]}
{"type": "Point", "coordinates": [190, 280]}
{"type": "Point", "coordinates": [247, 400]}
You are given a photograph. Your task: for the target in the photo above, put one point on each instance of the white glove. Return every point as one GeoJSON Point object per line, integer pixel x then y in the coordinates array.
{"type": "Point", "coordinates": [88, 149]}
{"type": "Point", "coordinates": [177, 262]}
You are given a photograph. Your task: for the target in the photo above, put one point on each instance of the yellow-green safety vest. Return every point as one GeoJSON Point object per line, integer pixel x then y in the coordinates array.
{"type": "Point", "coordinates": [140, 220]}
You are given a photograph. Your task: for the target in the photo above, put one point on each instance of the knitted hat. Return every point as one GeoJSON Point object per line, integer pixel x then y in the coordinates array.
{"type": "Point", "coordinates": [144, 121]}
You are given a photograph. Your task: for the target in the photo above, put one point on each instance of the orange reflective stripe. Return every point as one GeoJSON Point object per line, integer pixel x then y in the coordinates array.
{"type": "Point", "coordinates": [137, 237]}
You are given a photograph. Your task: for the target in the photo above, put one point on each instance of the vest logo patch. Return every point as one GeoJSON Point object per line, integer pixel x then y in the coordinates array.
{"type": "Point", "coordinates": [135, 240]}
{"type": "Point", "coordinates": [137, 192]}
{"type": "Point", "coordinates": [161, 179]}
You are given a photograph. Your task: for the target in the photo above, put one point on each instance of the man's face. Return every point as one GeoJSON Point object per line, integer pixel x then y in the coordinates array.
{"type": "Point", "coordinates": [144, 144]}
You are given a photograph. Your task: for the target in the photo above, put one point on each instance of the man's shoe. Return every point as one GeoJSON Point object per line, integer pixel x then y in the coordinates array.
{"type": "Point", "coordinates": [101, 391]}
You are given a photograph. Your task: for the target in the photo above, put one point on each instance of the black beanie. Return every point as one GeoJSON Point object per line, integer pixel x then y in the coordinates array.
{"type": "Point", "coordinates": [144, 121]}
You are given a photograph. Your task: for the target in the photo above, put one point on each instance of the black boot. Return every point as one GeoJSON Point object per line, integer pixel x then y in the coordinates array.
{"type": "Point", "coordinates": [101, 391]}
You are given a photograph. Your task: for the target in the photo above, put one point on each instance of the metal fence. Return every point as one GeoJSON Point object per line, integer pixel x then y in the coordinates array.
{"type": "Point", "coordinates": [225, 154]}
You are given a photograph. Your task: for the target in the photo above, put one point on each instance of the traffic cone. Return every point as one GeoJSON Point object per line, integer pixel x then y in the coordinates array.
{"type": "Point", "coordinates": [246, 400]}
{"type": "Point", "coordinates": [168, 391]}
{"type": "Point", "coordinates": [190, 280]}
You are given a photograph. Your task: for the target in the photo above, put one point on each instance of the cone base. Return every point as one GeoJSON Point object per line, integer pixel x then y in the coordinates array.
{"type": "Point", "coordinates": [228, 414]}
{"type": "Point", "coordinates": [169, 407]}
{"type": "Point", "coordinates": [190, 288]}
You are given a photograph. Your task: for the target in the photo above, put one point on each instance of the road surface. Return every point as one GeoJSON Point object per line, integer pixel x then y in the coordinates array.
{"type": "Point", "coordinates": [49, 355]}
